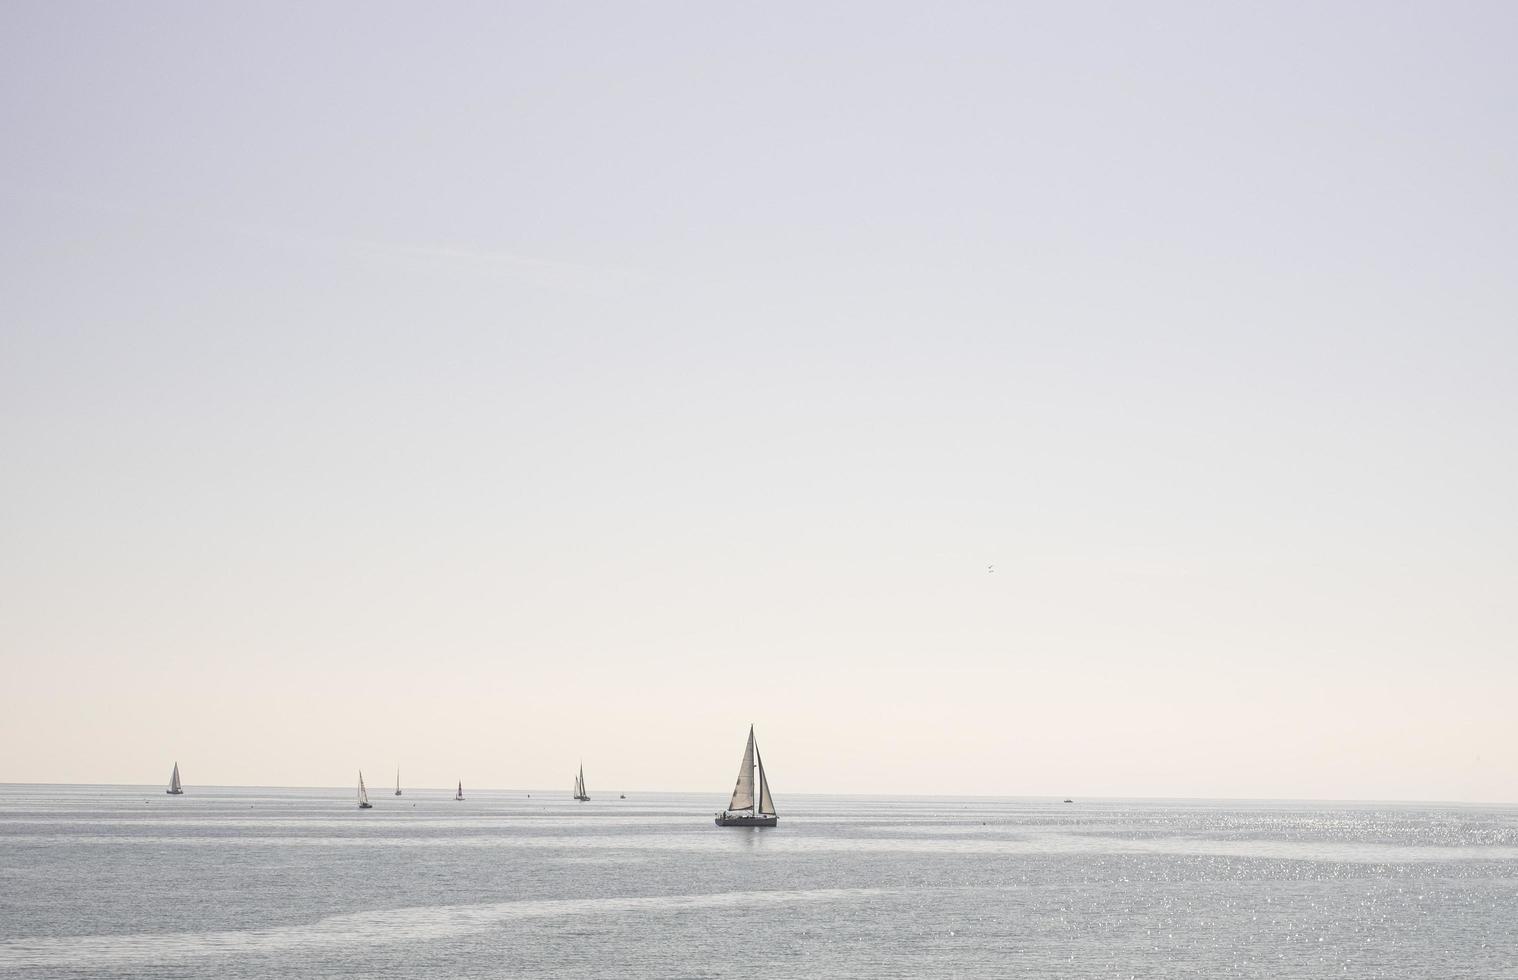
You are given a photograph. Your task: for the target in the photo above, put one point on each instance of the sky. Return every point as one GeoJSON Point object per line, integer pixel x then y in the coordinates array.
{"type": "Point", "coordinates": [1011, 399]}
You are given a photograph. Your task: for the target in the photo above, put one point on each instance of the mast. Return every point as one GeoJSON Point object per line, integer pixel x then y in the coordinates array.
{"type": "Point", "coordinates": [753, 754]}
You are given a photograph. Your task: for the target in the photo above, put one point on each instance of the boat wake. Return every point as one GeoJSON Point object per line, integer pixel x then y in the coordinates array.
{"type": "Point", "coordinates": [414, 924]}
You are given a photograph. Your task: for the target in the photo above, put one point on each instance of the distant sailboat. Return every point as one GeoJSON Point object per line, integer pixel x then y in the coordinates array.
{"type": "Point", "coordinates": [363, 794]}
{"type": "Point", "coordinates": [397, 781]}
{"type": "Point", "coordinates": [743, 810]}
{"type": "Point", "coordinates": [175, 789]}
{"type": "Point", "coordinates": [460, 794]}
{"type": "Point", "coordinates": [580, 793]}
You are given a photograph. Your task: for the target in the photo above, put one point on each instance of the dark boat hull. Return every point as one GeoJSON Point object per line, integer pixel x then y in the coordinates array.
{"type": "Point", "coordinates": [174, 792]}
{"type": "Point", "coordinates": [745, 820]}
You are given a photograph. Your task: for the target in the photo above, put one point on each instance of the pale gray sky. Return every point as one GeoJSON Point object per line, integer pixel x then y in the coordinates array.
{"type": "Point", "coordinates": [483, 387]}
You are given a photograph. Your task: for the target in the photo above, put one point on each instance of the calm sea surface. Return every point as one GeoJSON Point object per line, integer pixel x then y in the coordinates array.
{"type": "Point", "coordinates": [128, 882]}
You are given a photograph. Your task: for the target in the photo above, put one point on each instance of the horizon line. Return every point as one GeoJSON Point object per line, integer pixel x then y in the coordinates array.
{"type": "Point", "coordinates": [814, 795]}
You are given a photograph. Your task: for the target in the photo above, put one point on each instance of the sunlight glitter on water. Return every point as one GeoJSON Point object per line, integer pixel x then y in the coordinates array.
{"type": "Point", "coordinates": [297, 884]}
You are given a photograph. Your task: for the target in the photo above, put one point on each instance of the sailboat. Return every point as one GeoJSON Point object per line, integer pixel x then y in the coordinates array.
{"type": "Point", "coordinates": [363, 794]}
{"type": "Point", "coordinates": [175, 789]}
{"type": "Point", "coordinates": [397, 781]}
{"type": "Point", "coordinates": [580, 793]}
{"type": "Point", "coordinates": [460, 794]}
{"type": "Point", "coordinates": [742, 810]}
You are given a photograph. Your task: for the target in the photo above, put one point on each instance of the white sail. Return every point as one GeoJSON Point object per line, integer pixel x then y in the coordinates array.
{"type": "Point", "coordinates": [363, 794]}
{"type": "Point", "coordinates": [743, 793]}
{"type": "Point", "coordinates": [397, 782]}
{"type": "Point", "coordinates": [174, 786]}
{"type": "Point", "coordinates": [766, 805]}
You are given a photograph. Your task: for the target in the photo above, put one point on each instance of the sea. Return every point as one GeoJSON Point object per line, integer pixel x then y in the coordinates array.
{"type": "Point", "coordinates": [125, 881]}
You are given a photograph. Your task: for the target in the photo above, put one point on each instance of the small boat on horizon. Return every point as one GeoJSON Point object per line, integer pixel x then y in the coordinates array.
{"type": "Point", "coordinates": [397, 780]}
{"type": "Point", "coordinates": [175, 788]}
{"type": "Point", "coordinates": [460, 794]}
{"type": "Point", "coordinates": [580, 793]}
{"type": "Point", "coordinates": [744, 810]}
{"type": "Point", "coordinates": [363, 794]}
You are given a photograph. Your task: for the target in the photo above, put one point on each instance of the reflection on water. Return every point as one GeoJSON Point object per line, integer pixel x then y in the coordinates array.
{"type": "Point", "coordinates": [753, 839]}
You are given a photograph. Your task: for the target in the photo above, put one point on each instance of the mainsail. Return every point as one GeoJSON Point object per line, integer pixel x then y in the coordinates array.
{"type": "Point", "coordinates": [174, 786]}
{"type": "Point", "coordinates": [743, 793]}
{"type": "Point", "coordinates": [363, 794]}
{"type": "Point", "coordinates": [580, 793]}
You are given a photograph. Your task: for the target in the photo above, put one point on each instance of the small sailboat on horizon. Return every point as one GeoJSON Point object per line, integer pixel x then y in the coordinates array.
{"type": "Point", "coordinates": [397, 780]}
{"type": "Point", "coordinates": [744, 809]}
{"type": "Point", "coordinates": [460, 794]}
{"type": "Point", "coordinates": [363, 794]}
{"type": "Point", "coordinates": [175, 787]}
{"type": "Point", "coordinates": [580, 793]}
